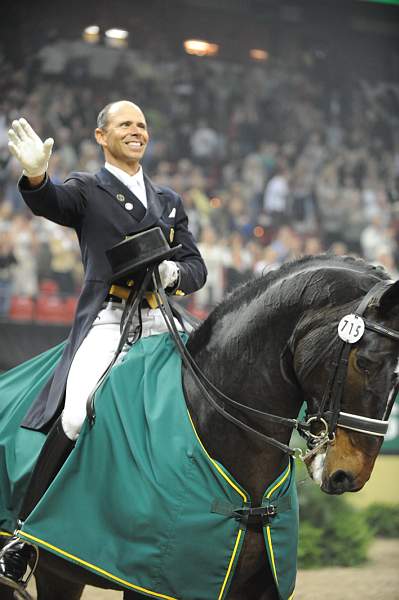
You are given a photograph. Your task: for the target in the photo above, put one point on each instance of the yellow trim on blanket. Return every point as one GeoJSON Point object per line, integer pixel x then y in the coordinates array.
{"type": "Point", "coordinates": [215, 464]}
{"type": "Point", "coordinates": [5, 534]}
{"type": "Point", "coordinates": [23, 534]}
{"type": "Point", "coordinates": [230, 565]}
{"type": "Point", "coordinates": [239, 491]}
{"type": "Point", "coordinates": [280, 482]}
{"type": "Point", "coordinates": [268, 531]}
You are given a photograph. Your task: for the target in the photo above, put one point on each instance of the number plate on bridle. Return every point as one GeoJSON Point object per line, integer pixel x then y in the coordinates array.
{"type": "Point", "coordinates": [351, 328]}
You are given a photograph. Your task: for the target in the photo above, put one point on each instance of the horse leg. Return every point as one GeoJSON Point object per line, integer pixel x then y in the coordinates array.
{"type": "Point", "coordinates": [255, 588]}
{"type": "Point", "coordinates": [53, 587]}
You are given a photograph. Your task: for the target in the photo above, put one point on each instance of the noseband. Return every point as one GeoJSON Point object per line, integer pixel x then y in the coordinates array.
{"type": "Point", "coordinates": [329, 415]}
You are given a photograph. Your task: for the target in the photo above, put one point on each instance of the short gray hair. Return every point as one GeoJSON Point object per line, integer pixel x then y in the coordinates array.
{"type": "Point", "coordinates": [102, 119]}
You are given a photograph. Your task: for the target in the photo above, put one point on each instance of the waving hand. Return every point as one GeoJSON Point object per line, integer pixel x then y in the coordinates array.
{"type": "Point", "coordinates": [28, 148]}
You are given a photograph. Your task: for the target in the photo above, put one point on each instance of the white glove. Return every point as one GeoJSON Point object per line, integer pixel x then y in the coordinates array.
{"type": "Point", "coordinates": [169, 273]}
{"type": "Point", "coordinates": [29, 149]}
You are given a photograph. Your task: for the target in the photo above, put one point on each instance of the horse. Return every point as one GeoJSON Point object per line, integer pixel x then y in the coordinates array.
{"type": "Point", "coordinates": [273, 345]}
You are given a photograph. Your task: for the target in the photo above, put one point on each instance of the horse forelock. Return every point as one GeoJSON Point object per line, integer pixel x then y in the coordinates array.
{"type": "Point", "coordinates": [311, 281]}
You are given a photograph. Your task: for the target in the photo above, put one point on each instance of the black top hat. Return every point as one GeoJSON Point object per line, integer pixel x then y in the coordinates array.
{"type": "Point", "coordinates": [137, 252]}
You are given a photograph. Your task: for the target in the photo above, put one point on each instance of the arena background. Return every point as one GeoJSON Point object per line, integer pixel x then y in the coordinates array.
{"type": "Point", "coordinates": [282, 138]}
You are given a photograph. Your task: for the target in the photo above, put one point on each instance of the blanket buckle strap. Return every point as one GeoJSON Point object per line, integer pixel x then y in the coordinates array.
{"type": "Point", "coordinates": [255, 517]}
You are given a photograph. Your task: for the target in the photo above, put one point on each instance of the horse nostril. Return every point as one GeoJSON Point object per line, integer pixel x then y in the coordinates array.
{"type": "Point", "coordinates": [341, 481]}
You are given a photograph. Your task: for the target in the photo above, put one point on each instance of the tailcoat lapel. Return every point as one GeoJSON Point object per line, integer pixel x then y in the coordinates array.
{"type": "Point", "coordinates": [121, 195]}
{"type": "Point", "coordinates": [155, 205]}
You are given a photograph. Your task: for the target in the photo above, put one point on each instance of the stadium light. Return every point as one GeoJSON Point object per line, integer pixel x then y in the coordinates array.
{"type": "Point", "coordinates": [117, 38]}
{"type": "Point", "coordinates": [258, 54]}
{"type": "Point", "coordinates": [200, 48]}
{"type": "Point", "coordinates": [91, 34]}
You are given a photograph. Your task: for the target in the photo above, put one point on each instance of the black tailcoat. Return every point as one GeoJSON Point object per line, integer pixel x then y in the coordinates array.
{"type": "Point", "coordinates": [103, 211]}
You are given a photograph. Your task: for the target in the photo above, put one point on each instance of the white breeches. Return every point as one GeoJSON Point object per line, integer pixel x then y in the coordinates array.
{"type": "Point", "coordinates": [95, 354]}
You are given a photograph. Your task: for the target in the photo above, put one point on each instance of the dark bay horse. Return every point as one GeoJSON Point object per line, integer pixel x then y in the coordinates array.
{"type": "Point", "coordinates": [272, 345]}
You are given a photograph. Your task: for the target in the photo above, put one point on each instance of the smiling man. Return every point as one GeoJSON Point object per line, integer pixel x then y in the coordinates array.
{"type": "Point", "coordinates": [122, 133]}
{"type": "Point", "coordinates": [103, 208]}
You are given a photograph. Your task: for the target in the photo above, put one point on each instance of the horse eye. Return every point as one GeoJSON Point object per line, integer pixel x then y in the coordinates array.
{"type": "Point", "coordinates": [362, 363]}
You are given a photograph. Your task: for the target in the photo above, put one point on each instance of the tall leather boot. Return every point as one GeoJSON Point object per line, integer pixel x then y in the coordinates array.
{"type": "Point", "coordinates": [16, 553]}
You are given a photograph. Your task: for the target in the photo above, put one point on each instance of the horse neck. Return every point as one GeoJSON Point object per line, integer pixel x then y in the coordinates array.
{"type": "Point", "coordinates": [241, 354]}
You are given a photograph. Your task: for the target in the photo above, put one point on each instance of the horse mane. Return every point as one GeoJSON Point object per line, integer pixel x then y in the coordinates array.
{"type": "Point", "coordinates": [305, 266]}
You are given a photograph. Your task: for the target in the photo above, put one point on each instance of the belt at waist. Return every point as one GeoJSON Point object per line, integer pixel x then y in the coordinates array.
{"type": "Point", "coordinates": [119, 294]}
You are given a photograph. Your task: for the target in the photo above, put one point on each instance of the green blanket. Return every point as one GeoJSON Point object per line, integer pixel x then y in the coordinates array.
{"type": "Point", "coordinates": [19, 448]}
{"type": "Point", "coordinates": [141, 483]}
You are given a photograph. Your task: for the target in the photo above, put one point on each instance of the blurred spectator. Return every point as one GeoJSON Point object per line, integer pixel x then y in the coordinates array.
{"type": "Point", "coordinates": [374, 237]}
{"type": "Point", "coordinates": [385, 258]}
{"type": "Point", "coordinates": [206, 144]}
{"type": "Point", "coordinates": [238, 262]}
{"type": "Point", "coordinates": [7, 265]}
{"type": "Point", "coordinates": [216, 257]}
{"type": "Point", "coordinates": [25, 247]}
{"type": "Point", "coordinates": [63, 258]}
{"type": "Point", "coordinates": [312, 245]}
{"type": "Point", "coordinates": [287, 244]}
{"type": "Point", "coordinates": [267, 262]}
{"type": "Point", "coordinates": [276, 197]}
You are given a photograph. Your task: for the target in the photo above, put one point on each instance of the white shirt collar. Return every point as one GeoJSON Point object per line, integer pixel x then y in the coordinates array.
{"type": "Point", "coordinates": [135, 182]}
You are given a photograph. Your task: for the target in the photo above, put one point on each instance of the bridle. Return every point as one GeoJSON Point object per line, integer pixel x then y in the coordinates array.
{"type": "Point", "coordinates": [329, 414]}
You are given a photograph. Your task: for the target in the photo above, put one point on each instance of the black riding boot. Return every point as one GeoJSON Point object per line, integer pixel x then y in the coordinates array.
{"type": "Point", "coordinates": [16, 553]}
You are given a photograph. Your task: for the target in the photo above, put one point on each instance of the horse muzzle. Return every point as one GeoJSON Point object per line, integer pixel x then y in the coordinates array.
{"type": "Point", "coordinates": [339, 482]}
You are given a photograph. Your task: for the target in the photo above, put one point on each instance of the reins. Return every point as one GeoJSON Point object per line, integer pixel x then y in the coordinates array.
{"type": "Point", "coordinates": [203, 382]}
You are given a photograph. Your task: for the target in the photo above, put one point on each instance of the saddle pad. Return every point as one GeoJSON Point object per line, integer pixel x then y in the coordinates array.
{"type": "Point", "coordinates": [140, 490]}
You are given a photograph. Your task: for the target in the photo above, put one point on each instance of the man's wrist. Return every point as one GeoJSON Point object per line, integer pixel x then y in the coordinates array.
{"type": "Point", "coordinates": [36, 180]}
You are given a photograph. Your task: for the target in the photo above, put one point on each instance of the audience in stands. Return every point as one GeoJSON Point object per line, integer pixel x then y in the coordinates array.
{"type": "Point", "coordinates": [269, 165]}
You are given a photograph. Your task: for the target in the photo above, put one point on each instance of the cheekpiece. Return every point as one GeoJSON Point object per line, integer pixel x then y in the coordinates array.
{"type": "Point", "coordinates": [138, 252]}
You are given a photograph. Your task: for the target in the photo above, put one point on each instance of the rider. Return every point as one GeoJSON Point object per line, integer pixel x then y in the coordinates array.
{"type": "Point", "coordinates": [103, 208]}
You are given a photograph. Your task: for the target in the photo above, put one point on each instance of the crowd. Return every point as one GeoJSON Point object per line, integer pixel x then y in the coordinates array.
{"type": "Point", "coordinates": [272, 162]}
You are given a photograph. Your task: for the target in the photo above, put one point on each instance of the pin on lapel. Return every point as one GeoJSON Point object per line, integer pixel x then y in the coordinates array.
{"type": "Point", "coordinates": [120, 197]}
{"type": "Point", "coordinates": [129, 206]}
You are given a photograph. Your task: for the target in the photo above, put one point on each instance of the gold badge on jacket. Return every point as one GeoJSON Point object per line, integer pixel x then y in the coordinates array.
{"type": "Point", "coordinates": [120, 197]}
{"type": "Point", "coordinates": [171, 235]}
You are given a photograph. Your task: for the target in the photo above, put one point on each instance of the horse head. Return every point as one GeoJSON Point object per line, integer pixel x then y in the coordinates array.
{"type": "Point", "coordinates": [351, 386]}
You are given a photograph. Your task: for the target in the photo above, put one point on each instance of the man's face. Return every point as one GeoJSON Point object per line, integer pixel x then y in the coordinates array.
{"type": "Point", "coordinates": [125, 136]}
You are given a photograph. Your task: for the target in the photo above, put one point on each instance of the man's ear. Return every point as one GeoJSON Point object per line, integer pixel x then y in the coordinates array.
{"type": "Point", "coordinates": [389, 299]}
{"type": "Point", "coordinates": [100, 136]}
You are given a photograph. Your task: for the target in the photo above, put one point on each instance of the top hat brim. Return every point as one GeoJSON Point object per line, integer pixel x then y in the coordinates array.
{"type": "Point", "coordinates": [131, 270]}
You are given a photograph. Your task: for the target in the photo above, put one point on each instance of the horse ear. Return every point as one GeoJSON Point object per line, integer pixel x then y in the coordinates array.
{"type": "Point", "coordinates": [390, 298]}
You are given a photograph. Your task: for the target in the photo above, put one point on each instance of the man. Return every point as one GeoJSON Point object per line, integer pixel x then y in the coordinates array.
{"type": "Point", "coordinates": [103, 209]}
